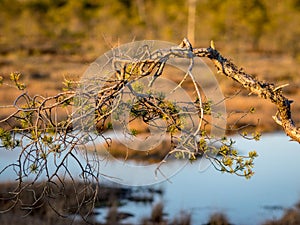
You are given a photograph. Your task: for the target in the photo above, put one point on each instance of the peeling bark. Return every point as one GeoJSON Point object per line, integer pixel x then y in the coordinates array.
{"type": "Point", "coordinates": [264, 90]}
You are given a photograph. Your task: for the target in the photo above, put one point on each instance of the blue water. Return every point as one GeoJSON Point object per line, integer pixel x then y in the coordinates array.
{"type": "Point", "coordinates": [275, 184]}
{"type": "Point", "coordinates": [274, 187]}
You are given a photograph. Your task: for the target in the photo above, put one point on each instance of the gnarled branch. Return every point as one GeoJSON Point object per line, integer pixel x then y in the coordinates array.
{"type": "Point", "coordinates": [264, 90]}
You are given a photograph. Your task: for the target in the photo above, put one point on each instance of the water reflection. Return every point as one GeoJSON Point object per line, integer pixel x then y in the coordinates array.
{"type": "Point", "coordinates": [274, 187]}
{"type": "Point", "coordinates": [275, 183]}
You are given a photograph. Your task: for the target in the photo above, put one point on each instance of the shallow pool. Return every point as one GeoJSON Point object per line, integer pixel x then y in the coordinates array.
{"type": "Point", "coordinates": [201, 192]}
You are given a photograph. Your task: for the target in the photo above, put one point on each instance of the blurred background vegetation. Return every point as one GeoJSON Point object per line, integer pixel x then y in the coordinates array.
{"type": "Point", "coordinates": [70, 27]}
{"type": "Point", "coordinates": [49, 39]}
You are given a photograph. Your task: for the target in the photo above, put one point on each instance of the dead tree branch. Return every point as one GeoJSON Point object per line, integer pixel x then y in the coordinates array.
{"type": "Point", "coordinates": [43, 140]}
{"type": "Point", "coordinates": [264, 90]}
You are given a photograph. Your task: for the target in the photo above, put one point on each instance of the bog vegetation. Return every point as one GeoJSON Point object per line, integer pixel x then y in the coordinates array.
{"type": "Point", "coordinates": [72, 26]}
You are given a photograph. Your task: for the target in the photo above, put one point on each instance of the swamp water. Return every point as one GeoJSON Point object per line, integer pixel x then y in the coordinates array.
{"type": "Point", "coordinates": [274, 188]}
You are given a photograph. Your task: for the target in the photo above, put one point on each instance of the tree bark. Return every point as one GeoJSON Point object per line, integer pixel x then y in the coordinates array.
{"type": "Point", "coordinates": [264, 90]}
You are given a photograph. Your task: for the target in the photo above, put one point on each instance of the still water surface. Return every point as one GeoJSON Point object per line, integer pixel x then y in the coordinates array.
{"type": "Point", "coordinates": [274, 187]}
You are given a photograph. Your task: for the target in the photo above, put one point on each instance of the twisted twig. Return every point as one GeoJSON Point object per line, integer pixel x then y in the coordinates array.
{"type": "Point", "coordinates": [264, 90]}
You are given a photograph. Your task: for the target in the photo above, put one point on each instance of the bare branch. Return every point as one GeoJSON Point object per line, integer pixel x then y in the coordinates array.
{"type": "Point", "coordinates": [36, 127]}
{"type": "Point", "coordinates": [264, 90]}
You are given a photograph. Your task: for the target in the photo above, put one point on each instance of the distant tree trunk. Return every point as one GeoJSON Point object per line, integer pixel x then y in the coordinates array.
{"type": "Point", "coordinates": [192, 21]}
{"type": "Point", "coordinates": [141, 10]}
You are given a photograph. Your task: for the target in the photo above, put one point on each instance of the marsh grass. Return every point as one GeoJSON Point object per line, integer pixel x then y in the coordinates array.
{"type": "Point", "coordinates": [290, 217]}
{"type": "Point", "coordinates": [57, 206]}
{"type": "Point", "coordinates": [218, 219]}
{"type": "Point", "coordinates": [278, 69]}
{"type": "Point", "coordinates": [111, 197]}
